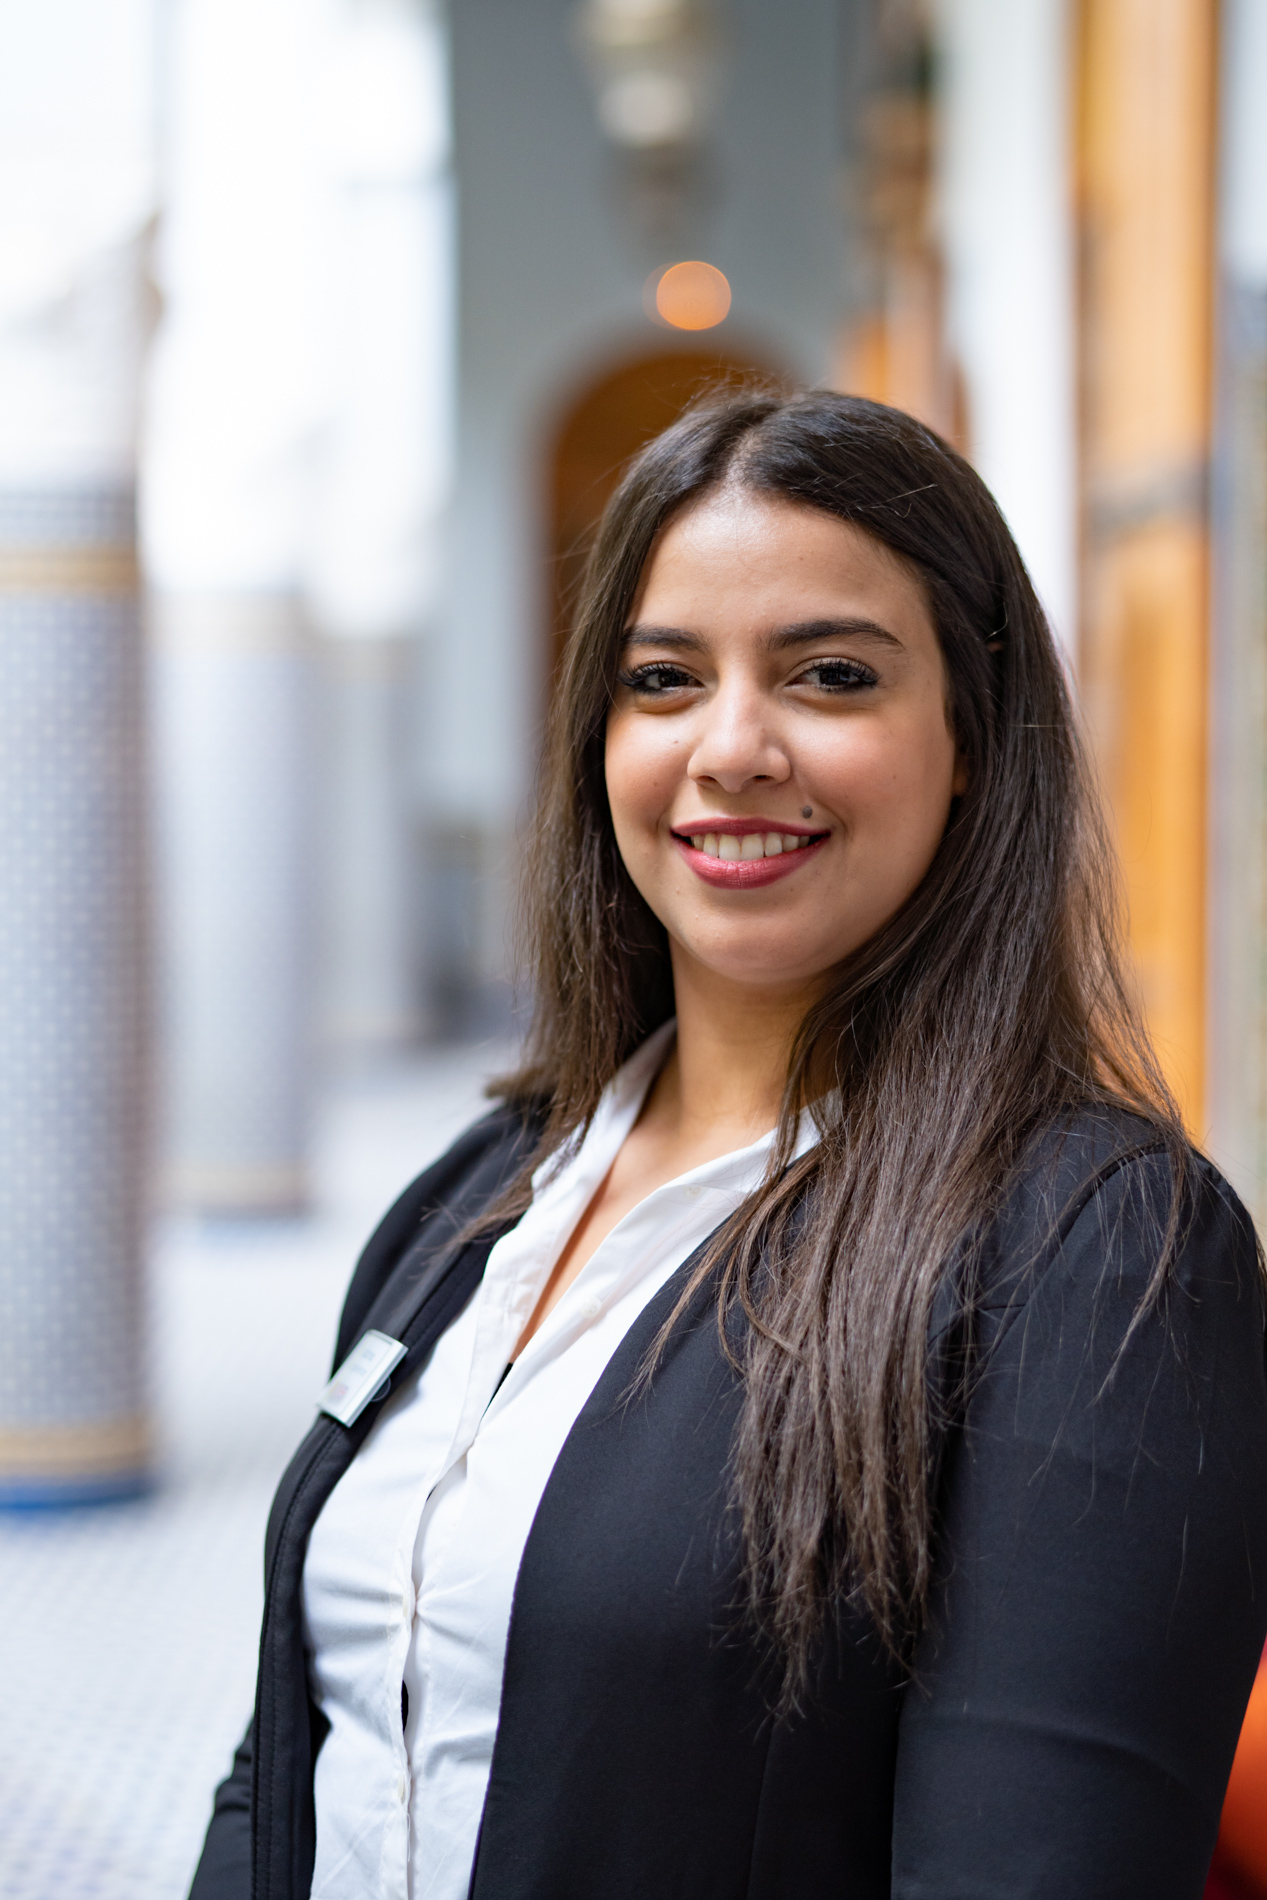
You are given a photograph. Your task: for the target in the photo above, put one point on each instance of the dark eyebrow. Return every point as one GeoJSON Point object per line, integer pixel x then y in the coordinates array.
{"type": "Point", "coordinates": [805, 632]}
{"type": "Point", "coordinates": [802, 633]}
{"type": "Point", "coordinates": [663, 637]}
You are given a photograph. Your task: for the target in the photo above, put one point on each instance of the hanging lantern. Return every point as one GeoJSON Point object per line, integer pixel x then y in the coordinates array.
{"type": "Point", "coordinates": [654, 69]}
{"type": "Point", "coordinates": [654, 66]}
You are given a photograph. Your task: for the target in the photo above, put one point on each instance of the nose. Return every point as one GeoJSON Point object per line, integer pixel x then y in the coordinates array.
{"type": "Point", "coordinates": [738, 745]}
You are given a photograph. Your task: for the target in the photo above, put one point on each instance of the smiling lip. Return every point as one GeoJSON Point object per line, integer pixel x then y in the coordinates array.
{"type": "Point", "coordinates": [745, 874]}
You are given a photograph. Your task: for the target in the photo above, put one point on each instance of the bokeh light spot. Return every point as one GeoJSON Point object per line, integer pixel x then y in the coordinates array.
{"type": "Point", "coordinates": [691, 296]}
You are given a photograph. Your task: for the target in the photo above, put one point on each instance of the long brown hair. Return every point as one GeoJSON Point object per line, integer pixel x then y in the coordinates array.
{"type": "Point", "coordinates": [992, 1004]}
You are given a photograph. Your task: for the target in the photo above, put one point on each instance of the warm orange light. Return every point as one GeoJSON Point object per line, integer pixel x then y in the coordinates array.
{"type": "Point", "coordinates": [691, 296]}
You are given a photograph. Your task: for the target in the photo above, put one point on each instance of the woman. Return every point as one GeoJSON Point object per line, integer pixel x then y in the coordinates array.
{"type": "Point", "coordinates": [829, 1452]}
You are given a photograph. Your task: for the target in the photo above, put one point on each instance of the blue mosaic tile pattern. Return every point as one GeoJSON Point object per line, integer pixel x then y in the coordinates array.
{"type": "Point", "coordinates": [234, 792]}
{"type": "Point", "coordinates": [128, 1634]}
{"type": "Point", "coordinates": [71, 980]}
{"type": "Point", "coordinates": [67, 517]}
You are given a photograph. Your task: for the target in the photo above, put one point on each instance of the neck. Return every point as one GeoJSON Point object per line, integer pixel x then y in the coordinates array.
{"type": "Point", "coordinates": [727, 1071]}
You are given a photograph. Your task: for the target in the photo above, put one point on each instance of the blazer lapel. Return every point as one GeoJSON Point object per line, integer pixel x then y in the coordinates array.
{"type": "Point", "coordinates": [423, 1295]}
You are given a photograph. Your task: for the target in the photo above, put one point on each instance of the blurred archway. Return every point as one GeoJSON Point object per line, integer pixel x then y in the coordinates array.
{"type": "Point", "coordinates": [604, 424]}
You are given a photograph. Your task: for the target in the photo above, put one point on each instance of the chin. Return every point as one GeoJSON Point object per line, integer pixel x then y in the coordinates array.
{"type": "Point", "coordinates": [754, 967]}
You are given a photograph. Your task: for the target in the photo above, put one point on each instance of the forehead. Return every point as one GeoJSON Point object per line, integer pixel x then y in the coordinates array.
{"type": "Point", "coordinates": [732, 545]}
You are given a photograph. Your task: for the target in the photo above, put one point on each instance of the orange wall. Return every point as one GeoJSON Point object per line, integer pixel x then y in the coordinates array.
{"type": "Point", "coordinates": [1145, 147]}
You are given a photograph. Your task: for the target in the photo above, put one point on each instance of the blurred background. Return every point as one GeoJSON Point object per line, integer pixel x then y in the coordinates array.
{"type": "Point", "coordinates": [326, 327]}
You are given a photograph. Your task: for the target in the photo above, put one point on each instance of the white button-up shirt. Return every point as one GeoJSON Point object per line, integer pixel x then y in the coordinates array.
{"type": "Point", "coordinates": [412, 1563]}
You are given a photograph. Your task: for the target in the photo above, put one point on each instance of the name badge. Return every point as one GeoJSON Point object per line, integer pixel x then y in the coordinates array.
{"type": "Point", "coordinates": [362, 1377]}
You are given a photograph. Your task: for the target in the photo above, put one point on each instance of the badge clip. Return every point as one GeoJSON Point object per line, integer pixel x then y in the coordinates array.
{"type": "Point", "coordinates": [363, 1375]}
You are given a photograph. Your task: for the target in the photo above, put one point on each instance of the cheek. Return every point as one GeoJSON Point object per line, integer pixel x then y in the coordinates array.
{"type": "Point", "coordinates": [895, 780]}
{"type": "Point", "coordinates": [642, 765]}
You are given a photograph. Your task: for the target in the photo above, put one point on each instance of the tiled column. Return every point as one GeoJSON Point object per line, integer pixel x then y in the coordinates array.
{"type": "Point", "coordinates": [231, 707]}
{"type": "Point", "coordinates": [369, 975]}
{"type": "Point", "coordinates": [233, 418]}
{"type": "Point", "coordinates": [72, 1411]}
{"type": "Point", "coordinates": [379, 495]}
{"type": "Point", "coordinates": [77, 135]}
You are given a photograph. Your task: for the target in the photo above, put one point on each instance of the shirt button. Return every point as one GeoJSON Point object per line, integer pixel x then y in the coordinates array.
{"type": "Point", "coordinates": [402, 1787]}
{"type": "Point", "coordinates": [592, 1307]}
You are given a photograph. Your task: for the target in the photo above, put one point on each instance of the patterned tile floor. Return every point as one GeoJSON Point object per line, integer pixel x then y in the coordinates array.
{"type": "Point", "coordinates": [127, 1632]}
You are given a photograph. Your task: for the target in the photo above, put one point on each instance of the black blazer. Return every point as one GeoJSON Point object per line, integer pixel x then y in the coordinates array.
{"type": "Point", "coordinates": [1100, 1610]}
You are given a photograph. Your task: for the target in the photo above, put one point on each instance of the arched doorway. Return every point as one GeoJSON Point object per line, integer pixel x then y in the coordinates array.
{"type": "Point", "coordinates": [603, 427]}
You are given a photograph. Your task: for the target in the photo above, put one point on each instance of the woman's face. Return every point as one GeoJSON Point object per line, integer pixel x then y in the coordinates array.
{"type": "Point", "coordinates": [780, 763]}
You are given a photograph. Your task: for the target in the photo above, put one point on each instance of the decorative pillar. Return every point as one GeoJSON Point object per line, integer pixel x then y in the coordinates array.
{"type": "Point", "coordinates": [72, 1099]}
{"type": "Point", "coordinates": [1007, 231]}
{"type": "Point", "coordinates": [1238, 835]}
{"type": "Point", "coordinates": [369, 977]}
{"type": "Point", "coordinates": [1145, 139]}
{"type": "Point", "coordinates": [234, 413]}
{"type": "Point", "coordinates": [379, 491]}
{"type": "Point", "coordinates": [231, 715]}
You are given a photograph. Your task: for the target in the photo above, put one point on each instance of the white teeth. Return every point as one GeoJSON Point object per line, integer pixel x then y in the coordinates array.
{"type": "Point", "coordinates": [748, 847]}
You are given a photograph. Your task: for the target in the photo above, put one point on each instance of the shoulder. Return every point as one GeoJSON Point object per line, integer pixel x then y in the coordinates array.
{"type": "Point", "coordinates": [468, 1175]}
{"type": "Point", "coordinates": [1102, 1540]}
{"type": "Point", "coordinates": [446, 1197]}
{"type": "Point", "coordinates": [1100, 1200]}
{"type": "Point", "coordinates": [1111, 1326]}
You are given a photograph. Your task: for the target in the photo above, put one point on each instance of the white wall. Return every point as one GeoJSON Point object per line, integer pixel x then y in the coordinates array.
{"type": "Point", "coordinates": [1006, 219]}
{"type": "Point", "coordinates": [1243, 208]}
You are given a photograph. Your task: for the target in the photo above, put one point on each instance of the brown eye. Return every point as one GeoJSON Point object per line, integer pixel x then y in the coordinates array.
{"type": "Point", "coordinates": [658, 676]}
{"type": "Point", "coordinates": [836, 676]}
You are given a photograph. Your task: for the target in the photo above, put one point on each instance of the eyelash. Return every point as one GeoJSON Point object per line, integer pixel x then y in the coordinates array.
{"type": "Point", "coordinates": [661, 676]}
{"type": "Point", "coordinates": [851, 675]}
{"type": "Point", "coordinates": [649, 678]}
